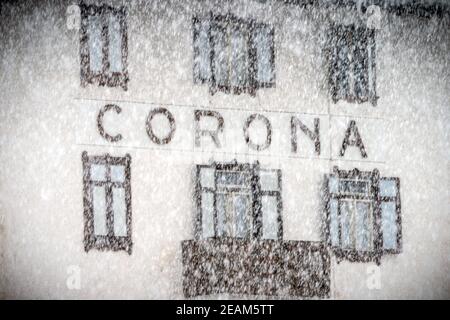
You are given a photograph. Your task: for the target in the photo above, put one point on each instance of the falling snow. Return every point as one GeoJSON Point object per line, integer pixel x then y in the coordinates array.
{"type": "Point", "coordinates": [225, 149]}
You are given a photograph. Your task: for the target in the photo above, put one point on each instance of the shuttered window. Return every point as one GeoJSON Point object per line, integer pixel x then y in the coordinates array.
{"type": "Point", "coordinates": [238, 201]}
{"type": "Point", "coordinates": [363, 216]}
{"type": "Point", "coordinates": [352, 64]}
{"type": "Point", "coordinates": [233, 55]}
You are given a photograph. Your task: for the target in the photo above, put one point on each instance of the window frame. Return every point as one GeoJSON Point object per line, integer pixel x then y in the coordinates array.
{"type": "Point", "coordinates": [349, 34]}
{"type": "Point", "coordinates": [374, 178]}
{"type": "Point", "coordinates": [108, 241]}
{"type": "Point", "coordinates": [256, 197]}
{"type": "Point", "coordinates": [230, 21]}
{"type": "Point", "coordinates": [104, 77]}
{"type": "Point", "coordinates": [228, 168]}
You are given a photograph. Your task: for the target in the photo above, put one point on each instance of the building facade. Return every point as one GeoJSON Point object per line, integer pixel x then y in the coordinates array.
{"type": "Point", "coordinates": [224, 149]}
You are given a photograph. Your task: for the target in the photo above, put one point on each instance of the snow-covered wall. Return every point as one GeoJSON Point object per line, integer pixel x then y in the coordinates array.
{"type": "Point", "coordinates": [47, 119]}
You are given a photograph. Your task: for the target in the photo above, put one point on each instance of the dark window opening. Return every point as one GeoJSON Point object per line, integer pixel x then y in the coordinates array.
{"type": "Point", "coordinates": [238, 201]}
{"type": "Point", "coordinates": [363, 215]}
{"type": "Point", "coordinates": [352, 64]}
{"type": "Point", "coordinates": [233, 55]}
{"type": "Point", "coordinates": [103, 46]}
{"type": "Point", "coordinates": [107, 202]}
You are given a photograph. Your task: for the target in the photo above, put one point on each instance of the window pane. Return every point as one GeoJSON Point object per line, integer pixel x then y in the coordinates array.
{"type": "Point", "coordinates": [120, 212]}
{"type": "Point", "coordinates": [233, 215]}
{"type": "Point", "coordinates": [95, 43]}
{"type": "Point", "coordinates": [207, 177]}
{"type": "Point", "coordinates": [239, 57]}
{"type": "Point", "coordinates": [222, 225]}
{"type": "Point", "coordinates": [221, 56]}
{"type": "Point", "coordinates": [241, 209]}
{"type": "Point", "coordinates": [99, 204]}
{"type": "Point", "coordinates": [388, 188]}
{"type": "Point", "coordinates": [332, 184]}
{"type": "Point", "coordinates": [347, 211]}
{"type": "Point", "coordinates": [269, 180]}
{"type": "Point", "coordinates": [363, 226]}
{"type": "Point", "coordinates": [354, 186]}
{"type": "Point", "coordinates": [389, 225]}
{"type": "Point", "coordinates": [98, 172]}
{"type": "Point", "coordinates": [270, 217]}
{"type": "Point", "coordinates": [334, 223]}
{"type": "Point", "coordinates": [202, 47]}
{"type": "Point", "coordinates": [115, 44]}
{"type": "Point", "coordinates": [233, 178]}
{"type": "Point", "coordinates": [117, 173]}
{"type": "Point", "coordinates": [208, 214]}
{"type": "Point", "coordinates": [263, 43]}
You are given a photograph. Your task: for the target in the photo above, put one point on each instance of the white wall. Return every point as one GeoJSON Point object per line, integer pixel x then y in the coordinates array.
{"type": "Point", "coordinates": [47, 120]}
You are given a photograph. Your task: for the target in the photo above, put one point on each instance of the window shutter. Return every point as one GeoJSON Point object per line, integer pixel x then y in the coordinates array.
{"type": "Point", "coordinates": [389, 202]}
{"type": "Point", "coordinates": [221, 55]}
{"type": "Point", "coordinates": [271, 206]}
{"type": "Point", "coordinates": [115, 44]}
{"type": "Point", "coordinates": [95, 30]}
{"type": "Point", "coordinates": [333, 54]}
{"type": "Point", "coordinates": [265, 55]}
{"type": "Point", "coordinates": [371, 49]}
{"type": "Point", "coordinates": [206, 189]}
{"type": "Point", "coordinates": [361, 63]}
{"type": "Point", "coordinates": [332, 210]}
{"type": "Point", "coordinates": [239, 76]}
{"type": "Point", "coordinates": [202, 50]}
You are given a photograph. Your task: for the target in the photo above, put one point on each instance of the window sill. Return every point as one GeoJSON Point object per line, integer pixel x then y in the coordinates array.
{"type": "Point", "coordinates": [361, 256]}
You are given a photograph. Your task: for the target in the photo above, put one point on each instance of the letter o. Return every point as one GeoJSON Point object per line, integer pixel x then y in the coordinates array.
{"type": "Point", "coordinates": [148, 126]}
{"type": "Point", "coordinates": [266, 121]}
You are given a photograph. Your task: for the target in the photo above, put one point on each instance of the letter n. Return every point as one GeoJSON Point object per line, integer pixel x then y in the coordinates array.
{"type": "Point", "coordinates": [313, 135]}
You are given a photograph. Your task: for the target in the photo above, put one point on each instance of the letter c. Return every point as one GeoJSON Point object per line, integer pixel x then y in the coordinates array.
{"type": "Point", "coordinates": [100, 127]}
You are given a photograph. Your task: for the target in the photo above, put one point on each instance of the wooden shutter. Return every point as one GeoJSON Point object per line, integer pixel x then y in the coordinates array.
{"type": "Point", "coordinates": [390, 214]}
{"type": "Point", "coordinates": [205, 202]}
{"type": "Point", "coordinates": [271, 205]}
{"type": "Point", "coordinates": [264, 56]}
{"type": "Point", "coordinates": [202, 50]}
{"type": "Point", "coordinates": [371, 76]}
{"type": "Point", "coordinates": [332, 210]}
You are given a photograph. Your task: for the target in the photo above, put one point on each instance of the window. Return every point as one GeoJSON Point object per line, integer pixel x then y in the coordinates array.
{"type": "Point", "coordinates": [103, 46]}
{"type": "Point", "coordinates": [238, 201]}
{"type": "Point", "coordinates": [233, 55]}
{"type": "Point", "coordinates": [352, 64]}
{"type": "Point", "coordinates": [107, 202]}
{"type": "Point", "coordinates": [363, 215]}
